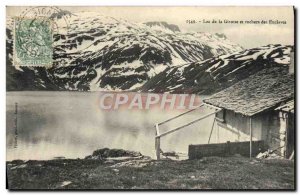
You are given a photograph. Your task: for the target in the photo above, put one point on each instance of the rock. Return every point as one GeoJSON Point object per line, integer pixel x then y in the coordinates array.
{"type": "Point", "coordinates": [19, 166]}
{"type": "Point", "coordinates": [59, 157]}
{"type": "Point", "coordinates": [107, 153]}
{"type": "Point", "coordinates": [17, 161]}
{"type": "Point", "coordinates": [170, 154]}
{"type": "Point", "coordinates": [253, 162]}
{"type": "Point", "coordinates": [268, 155]}
{"type": "Point", "coordinates": [109, 161]}
{"type": "Point", "coordinates": [116, 170]}
{"type": "Point", "coordinates": [262, 155]}
{"type": "Point", "coordinates": [132, 163]}
{"type": "Point", "coordinates": [65, 183]}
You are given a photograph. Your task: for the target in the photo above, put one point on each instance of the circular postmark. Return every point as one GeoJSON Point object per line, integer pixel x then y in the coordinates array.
{"type": "Point", "coordinates": [57, 16]}
{"type": "Point", "coordinates": [35, 29]}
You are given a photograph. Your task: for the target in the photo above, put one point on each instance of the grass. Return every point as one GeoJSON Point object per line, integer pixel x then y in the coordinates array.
{"type": "Point", "coordinates": [206, 173]}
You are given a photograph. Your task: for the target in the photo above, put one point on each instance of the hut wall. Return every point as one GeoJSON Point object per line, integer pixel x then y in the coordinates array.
{"type": "Point", "coordinates": [290, 134]}
{"type": "Point", "coordinates": [275, 128]}
{"type": "Point", "coordinates": [276, 132]}
{"type": "Point", "coordinates": [236, 127]}
{"type": "Point", "coordinates": [268, 126]}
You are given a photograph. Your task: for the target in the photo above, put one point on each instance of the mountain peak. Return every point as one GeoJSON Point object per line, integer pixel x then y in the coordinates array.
{"type": "Point", "coordinates": [162, 26]}
{"type": "Point", "coordinates": [221, 35]}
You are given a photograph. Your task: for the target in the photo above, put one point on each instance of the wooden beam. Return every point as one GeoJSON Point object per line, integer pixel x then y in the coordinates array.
{"type": "Point", "coordinates": [212, 128]}
{"type": "Point", "coordinates": [292, 155]}
{"type": "Point", "coordinates": [170, 119]}
{"type": "Point", "coordinates": [157, 129]}
{"type": "Point", "coordinates": [188, 124]}
{"type": "Point", "coordinates": [211, 106]}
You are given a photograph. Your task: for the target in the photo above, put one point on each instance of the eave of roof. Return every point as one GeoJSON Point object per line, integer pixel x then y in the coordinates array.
{"type": "Point", "coordinates": [287, 107]}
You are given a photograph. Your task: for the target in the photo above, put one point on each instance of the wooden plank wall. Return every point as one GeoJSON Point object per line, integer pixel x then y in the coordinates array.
{"type": "Point", "coordinates": [225, 149]}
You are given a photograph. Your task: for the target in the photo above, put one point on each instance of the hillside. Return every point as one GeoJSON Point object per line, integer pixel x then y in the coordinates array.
{"type": "Point", "coordinates": [214, 74]}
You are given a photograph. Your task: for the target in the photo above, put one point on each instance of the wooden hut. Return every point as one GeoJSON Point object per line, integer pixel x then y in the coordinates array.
{"type": "Point", "coordinates": [253, 108]}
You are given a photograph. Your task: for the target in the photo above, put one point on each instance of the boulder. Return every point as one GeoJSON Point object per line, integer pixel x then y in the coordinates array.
{"type": "Point", "coordinates": [112, 153]}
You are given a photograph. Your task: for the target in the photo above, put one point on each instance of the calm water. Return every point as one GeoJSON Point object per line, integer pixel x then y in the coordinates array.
{"type": "Point", "coordinates": [71, 124]}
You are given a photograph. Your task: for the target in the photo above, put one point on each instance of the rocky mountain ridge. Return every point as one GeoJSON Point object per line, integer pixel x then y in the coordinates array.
{"type": "Point", "coordinates": [104, 53]}
{"type": "Point", "coordinates": [212, 75]}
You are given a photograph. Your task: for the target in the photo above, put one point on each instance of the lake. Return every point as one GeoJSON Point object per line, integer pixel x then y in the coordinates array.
{"type": "Point", "coordinates": [71, 124]}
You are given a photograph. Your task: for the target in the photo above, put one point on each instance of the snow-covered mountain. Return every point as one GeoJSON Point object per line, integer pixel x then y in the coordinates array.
{"type": "Point", "coordinates": [163, 26]}
{"type": "Point", "coordinates": [214, 74]}
{"type": "Point", "coordinates": [98, 52]}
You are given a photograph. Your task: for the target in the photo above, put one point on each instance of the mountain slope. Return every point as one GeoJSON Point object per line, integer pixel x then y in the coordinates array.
{"type": "Point", "coordinates": [163, 26]}
{"type": "Point", "coordinates": [104, 53]}
{"type": "Point", "coordinates": [214, 74]}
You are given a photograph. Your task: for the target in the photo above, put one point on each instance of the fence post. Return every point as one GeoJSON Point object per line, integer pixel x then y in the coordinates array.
{"type": "Point", "coordinates": [157, 142]}
{"type": "Point", "coordinates": [157, 147]}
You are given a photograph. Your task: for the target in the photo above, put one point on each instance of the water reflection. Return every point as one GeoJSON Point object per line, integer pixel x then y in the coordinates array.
{"type": "Point", "coordinates": [70, 124]}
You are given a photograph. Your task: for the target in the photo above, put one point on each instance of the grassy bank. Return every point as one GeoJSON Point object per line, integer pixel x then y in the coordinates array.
{"type": "Point", "coordinates": [207, 173]}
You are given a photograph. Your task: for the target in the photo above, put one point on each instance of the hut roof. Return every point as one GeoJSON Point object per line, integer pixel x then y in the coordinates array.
{"type": "Point", "coordinates": [287, 107]}
{"type": "Point", "coordinates": [261, 91]}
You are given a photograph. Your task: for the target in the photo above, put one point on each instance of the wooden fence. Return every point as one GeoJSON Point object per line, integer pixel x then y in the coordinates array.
{"type": "Point", "coordinates": [225, 149]}
{"type": "Point", "coordinates": [158, 135]}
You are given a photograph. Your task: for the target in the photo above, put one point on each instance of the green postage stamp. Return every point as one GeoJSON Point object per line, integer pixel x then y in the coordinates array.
{"type": "Point", "coordinates": [32, 42]}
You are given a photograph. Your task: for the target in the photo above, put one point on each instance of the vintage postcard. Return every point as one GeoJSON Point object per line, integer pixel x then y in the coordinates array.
{"type": "Point", "coordinates": [150, 98]}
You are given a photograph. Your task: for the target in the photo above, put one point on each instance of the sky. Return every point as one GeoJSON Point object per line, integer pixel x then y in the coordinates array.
{"type": "Point", "coordinates": [247, 35]}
